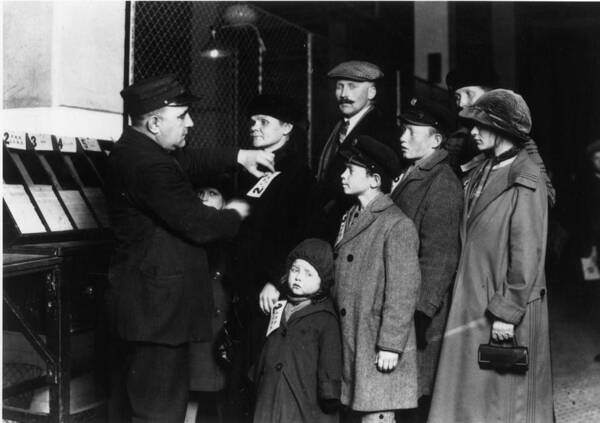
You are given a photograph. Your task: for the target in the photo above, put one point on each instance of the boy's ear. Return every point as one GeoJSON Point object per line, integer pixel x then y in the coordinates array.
{"type": "Point", "coordinates": [375, 181]}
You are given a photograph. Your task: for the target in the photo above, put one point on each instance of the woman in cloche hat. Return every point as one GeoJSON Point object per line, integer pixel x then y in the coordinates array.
{"type": "Point", "coordinates": [500, 289]}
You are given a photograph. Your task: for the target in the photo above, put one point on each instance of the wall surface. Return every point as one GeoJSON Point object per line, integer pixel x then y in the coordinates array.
{"type": "Point", "coordinates": [431, 36]}
{"type": "Point", "coordinates": [63, 67]}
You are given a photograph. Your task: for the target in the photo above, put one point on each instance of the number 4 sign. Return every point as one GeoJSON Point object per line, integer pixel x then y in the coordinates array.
{"type": "Point", "coordinates": [66, 144]}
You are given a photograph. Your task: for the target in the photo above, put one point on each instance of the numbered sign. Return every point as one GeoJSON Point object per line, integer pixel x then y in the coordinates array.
{"type": "Point", "coordinates": [41, 142]}
{"type": "Point", "coordinates": [15, 140]}
{"type": "Point", "coordinates": [66, 144]}
{"type": "Point", "coordinates": [89, 144]}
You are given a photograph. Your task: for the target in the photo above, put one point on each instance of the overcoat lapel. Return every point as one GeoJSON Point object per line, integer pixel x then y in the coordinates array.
{"type": "Point", "coordinates": [328, 150]}
{"type": "Point", "coordinates": [420, 172]}
{"type": "Point", "coordinates": [516, 175]}
{"type": "Point", "coordinates": [366, 218]}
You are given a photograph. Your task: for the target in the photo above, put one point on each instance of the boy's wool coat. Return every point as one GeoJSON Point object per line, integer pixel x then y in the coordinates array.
{"type": "Point", "coordinates": [377, 279]}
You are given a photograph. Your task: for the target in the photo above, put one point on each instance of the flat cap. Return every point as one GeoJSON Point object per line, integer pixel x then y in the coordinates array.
{"type": "Point", "coordinates": [429, 113]}
{"type": "Point", "coordinates": [377, 157]}
{"type": "Point", "coordinates": [356, 70]}
{"type": "Point", "coordinates": [153, 93]}
{"type": "Point", "coordinates": [279, 107]}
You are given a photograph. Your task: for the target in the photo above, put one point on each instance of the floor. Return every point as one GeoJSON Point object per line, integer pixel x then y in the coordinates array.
{"type": "Point", "coordinates": [575, 342]}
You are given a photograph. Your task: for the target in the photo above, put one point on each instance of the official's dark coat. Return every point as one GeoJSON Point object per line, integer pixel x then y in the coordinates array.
{"type": "Point", "coordinates": [432, 196]}
{"type": "Point", "coordinates": [159, 290]}
{"type": "Point", "coordinates": [300, 364]}
{"type": "Point", "coordinates": [501, 274]}
{"type": "Point", "coordinates": [328, 203]}
{"type": "Point", "coordinates": [377, 282]}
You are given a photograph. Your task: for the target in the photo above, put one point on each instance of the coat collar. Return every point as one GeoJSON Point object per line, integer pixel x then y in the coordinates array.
{"type": "Point", "coordinates": [522, 172]}
{"type": "Point", "coordinates": [421, 171]}
{"type": "Point", "coordinates": [322, 306]}
{"type": "Point", "coordinates": [379, 204]}
{"type": "Point", "coordinates": [140, 141]}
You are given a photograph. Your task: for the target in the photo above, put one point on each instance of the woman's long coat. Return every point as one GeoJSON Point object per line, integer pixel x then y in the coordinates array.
{"type": "Point", "coordinates": [377, 279]}
{"type": "Point", "coordinates": [501, 274]}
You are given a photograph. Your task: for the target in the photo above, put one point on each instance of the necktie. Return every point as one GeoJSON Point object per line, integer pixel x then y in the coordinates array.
{"type": "Point", "coordinates": [343, 131]}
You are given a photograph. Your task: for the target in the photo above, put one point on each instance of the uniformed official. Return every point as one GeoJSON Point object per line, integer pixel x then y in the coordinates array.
{"type": "Point", "coordinates": [159, 295]}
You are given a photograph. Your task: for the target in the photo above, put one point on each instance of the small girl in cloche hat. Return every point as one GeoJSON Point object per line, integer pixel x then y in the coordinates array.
{"type": "Point", "coordinates": [298, 373]}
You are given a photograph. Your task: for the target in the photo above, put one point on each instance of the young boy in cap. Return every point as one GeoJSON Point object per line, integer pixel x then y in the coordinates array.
{"type": "Point", "coordinates": [377, 280]}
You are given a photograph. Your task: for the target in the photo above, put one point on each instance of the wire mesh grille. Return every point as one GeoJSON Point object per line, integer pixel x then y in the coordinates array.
{"type": "Point", "coordinates": [169, 37]}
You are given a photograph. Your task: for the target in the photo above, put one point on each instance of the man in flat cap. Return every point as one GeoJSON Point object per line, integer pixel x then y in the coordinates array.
{"type": "Point", "coordinates": [430, 194]}
{"type": "Point", "coordinates": [159, 295]}
{"type": "Point", "coordinates": [355, 92]}
{"type": "Point", "coordinates": [468, 85]}
{"type": "Point", "coordinates": [377, 281]}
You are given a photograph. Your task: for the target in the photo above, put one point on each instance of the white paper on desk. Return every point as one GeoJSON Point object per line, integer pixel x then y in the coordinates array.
{"type": "Point", "coordinates": [78, 209]}
{"type": "Point", "coordinates": [276, 314]}
{"type": "Point", "coordinates": [96, 198]}
{"type": "Point", "coordinates": [90, 144]}
{"type": "Point", "coordinates": [22, 210]}
{"type": "Point", "coordinates": [50, 207]}
{"type": "Point", "coordinates": [15, 140]}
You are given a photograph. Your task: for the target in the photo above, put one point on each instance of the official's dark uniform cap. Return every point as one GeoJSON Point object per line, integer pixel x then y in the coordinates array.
{"type": "Point", "coordinates": [375, 156]}
{"type": "Point", "coordinates": [279, 107]}
{"type": "Point", "coordinates": [356, 70]}
{"type": "Point", "coordinates": [428, 113]}
{"type": "Point", "coordinates": [153, 93]}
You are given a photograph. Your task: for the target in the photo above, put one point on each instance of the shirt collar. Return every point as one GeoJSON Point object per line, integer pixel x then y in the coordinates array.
{"type": "Point", "coordinates": [353, 120]}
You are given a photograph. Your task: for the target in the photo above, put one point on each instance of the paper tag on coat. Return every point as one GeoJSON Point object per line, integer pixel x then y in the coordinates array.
{"type": "Point", "coordinates": [589, 265]}
{"type": "Point", "coordinates": [261, 186]}
{"type": "Point", "coordinates": [276, 314]}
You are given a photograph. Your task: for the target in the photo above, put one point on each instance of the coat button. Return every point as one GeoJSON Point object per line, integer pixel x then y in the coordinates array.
{"type": "Point", "coordinates": [350, 257]}
{"type": "Point", "coordinates": [343, 312]}
{"type": "Point", "coordinates": [279, 366]}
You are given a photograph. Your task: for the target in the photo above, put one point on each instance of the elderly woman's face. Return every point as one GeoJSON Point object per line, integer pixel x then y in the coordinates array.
{"type": "Point", "coordinates": [484, 139]}
{"type": "Point", "coordinates": [268, 132]}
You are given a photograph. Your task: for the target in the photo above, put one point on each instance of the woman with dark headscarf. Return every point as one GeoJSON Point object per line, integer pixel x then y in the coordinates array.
{"type": "Point", "coordinates": [500, 287]}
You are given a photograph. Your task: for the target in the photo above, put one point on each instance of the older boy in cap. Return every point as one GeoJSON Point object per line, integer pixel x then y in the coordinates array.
{"type": "Point", "coordinates": [377, 279]}
{"type": "Point", "coordinates": [468, 85]}
{"type": "Point", "coordinates": [431, 195]}
{"type": "Point", "coordinates": [355, 92]}
{"type": "Point", "coordinates": [159, 295]}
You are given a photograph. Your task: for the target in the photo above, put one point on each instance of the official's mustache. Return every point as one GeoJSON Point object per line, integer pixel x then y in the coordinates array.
{"type": "Point", "coordinates": [345, 101]}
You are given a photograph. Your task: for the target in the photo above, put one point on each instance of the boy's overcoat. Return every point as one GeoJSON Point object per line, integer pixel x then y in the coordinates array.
{"type": "Point", "coordinates": [377, 279]}
{"type": "Point", "coordinates": [432, 197]}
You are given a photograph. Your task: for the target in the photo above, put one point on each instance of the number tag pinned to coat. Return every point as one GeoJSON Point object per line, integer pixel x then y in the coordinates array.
{"type": "Point", "coordinates": [261, 186]}
{"type": "Point", "coordinates": [276, 314]}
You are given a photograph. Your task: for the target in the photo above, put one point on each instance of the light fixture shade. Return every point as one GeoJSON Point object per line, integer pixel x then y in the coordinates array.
{"type": "Point", "coordinates": [214, 49]}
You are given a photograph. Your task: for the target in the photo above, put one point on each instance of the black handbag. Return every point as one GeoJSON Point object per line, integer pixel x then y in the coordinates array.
{"type": "Point", "coordinates": [505, 357]}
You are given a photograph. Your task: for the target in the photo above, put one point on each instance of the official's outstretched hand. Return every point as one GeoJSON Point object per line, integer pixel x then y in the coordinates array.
{"type": "Point", "coordinates": [251, 159]}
